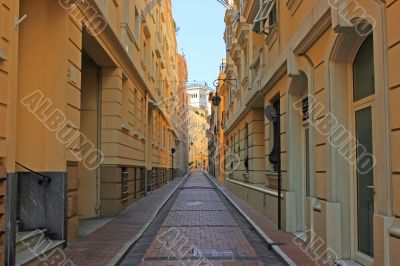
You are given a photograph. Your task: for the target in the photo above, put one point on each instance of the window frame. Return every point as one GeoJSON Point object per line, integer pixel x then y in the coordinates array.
{"type": "Point", "coordinates": [264, 13]}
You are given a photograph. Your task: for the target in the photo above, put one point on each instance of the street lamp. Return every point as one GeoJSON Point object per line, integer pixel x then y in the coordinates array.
{"type": "Point", "coordinates": [172, 156]}
{"type": "Point", "coordinates": [216, 100]}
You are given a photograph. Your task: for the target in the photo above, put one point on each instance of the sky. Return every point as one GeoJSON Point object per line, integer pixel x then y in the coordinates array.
{"type": "Point", "coordinates": [201, 24]}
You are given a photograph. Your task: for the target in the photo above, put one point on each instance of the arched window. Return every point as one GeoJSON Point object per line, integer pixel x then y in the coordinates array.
{"type": "Point", "coordinates": [363, 71]}
{"type": "Point", "coordinates": [364, 87]}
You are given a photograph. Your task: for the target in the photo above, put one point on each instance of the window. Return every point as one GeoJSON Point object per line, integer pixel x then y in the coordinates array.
{"type": "Point", "coordinates": [127, 15]}
{"type": "Point", "coordinates": [164, 137]}
{"type": "Point", "coordinates": [273, 16]}
{"type": "Point", "coordinates": [137, 25]}
{"type": "Point", "coordinates": [274, 156]}
{"type": "Point", "coordinates": [135, 114]}
{"type": "Point", "coordinates": [145, 53]}
{"type": "Point", "coordinates": [266, 13]}
{"type": "Point", "coordinates": [152, 66]}
{"type": "Point", "coordinates": [363, 71]}
{"type": "Point", "coordinates": [228, 38]}
{"type": "Point", "coordinates": [156, 76]}
{"type": "Point", "coordinates": [246, 57]}
{"type": "Point", "coordinates": [246, 147]}
{"type": "Point", "coordinates": [232, 151]}
{"type": "Point", "coordinates": [143, 105]}
{"type": "Point", "coordinates": [242, 4]}
{"type": "Point", "coordinates": [124, 184]}
{"type": "Point", "coordinates": [364, 87]}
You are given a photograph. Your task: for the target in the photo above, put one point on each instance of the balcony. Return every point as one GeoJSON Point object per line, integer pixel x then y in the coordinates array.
{"type": "Point", "coordinates": [250, 10]}
{"type": "Point", "coordinates": [241, 31]}
{"type": "Point", "coordinates": [235, 52]}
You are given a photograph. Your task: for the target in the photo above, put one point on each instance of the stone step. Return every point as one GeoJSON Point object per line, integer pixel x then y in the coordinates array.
{"type": "Point", "coordinates": [25, 239]}
{"type": "Point", "coordinates": [35, 247]}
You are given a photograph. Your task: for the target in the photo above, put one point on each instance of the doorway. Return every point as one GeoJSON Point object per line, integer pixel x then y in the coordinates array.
{"type": "Point", "coordinates": [88, 194]}
{"type": "Point", "coordinates": [363, 105]}
{"type": "Point", "coordinates": [299, 151]}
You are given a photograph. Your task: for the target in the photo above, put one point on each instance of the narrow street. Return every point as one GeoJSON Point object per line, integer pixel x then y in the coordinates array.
{"type": "Point", "coordinates": [223, 133]}
{"type": "Point", "coordinates": [198, 226]}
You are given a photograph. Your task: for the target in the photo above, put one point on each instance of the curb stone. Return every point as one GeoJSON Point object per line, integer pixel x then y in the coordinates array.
{"type": "Point", "coordinates": [278, 251]}
{"type": "Point", "coordinates": [121, 254]}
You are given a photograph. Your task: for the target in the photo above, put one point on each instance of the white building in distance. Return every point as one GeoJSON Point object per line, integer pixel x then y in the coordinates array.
{"type": "Point", "coordinates": [198, 96]}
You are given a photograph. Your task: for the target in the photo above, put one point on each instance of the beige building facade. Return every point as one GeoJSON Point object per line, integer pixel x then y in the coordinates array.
{"type": "Point", "coordinates": [85, 112]}
{"type": "Point", "coordinates": [198, 126]}
{"type": "Point", "coordinates": [314, 98]}
{"type": "Point", "coordinates": [182, 116]}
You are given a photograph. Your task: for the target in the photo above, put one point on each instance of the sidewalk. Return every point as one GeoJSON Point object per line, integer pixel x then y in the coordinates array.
{"type": "Point", "coordinates": [287, 247]}
{"type": "Point", "coordinates": [106, 245]}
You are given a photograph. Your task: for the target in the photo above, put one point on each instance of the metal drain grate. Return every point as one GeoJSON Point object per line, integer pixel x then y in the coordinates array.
{"type": "Point", "coordinates": [212, 253]}
{"type": "Point", "coordinates": [194, 203]}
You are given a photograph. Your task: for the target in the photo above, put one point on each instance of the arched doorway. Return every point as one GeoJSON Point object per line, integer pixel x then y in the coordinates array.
{"type": "Point", "coordinates": [299, 150]}
{"type": "Point", "coordinates": [363, 105]}
{"type": "Point", "coordinates": [355, 140]}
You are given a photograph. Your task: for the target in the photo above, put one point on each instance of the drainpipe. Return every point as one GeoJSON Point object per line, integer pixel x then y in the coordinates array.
{"type": "Point", "coordinates": [99, 113]}
{"type": "Point", "coordinates": [147, 142]}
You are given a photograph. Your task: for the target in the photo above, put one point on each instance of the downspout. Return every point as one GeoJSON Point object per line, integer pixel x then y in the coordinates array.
{"type": "Point", "coordinates": [99, 114]}
{"type": "Point", "coordinates": [147, 143]}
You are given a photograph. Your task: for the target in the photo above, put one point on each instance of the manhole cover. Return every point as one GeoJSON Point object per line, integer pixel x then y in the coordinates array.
{"type": "Point", "coordinates": [196, 203]}
{"type": "Point", "coordinates": [207, 253]}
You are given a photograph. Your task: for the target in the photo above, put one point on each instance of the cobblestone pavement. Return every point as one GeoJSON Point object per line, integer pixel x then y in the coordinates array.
{"type": "Point", "coordinates": [199, 227]}
{"type": "Point", "coordinates": [103, 245]}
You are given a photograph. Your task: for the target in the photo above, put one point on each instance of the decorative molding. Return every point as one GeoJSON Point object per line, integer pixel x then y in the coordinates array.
{"type": "Point", "coordinates": [293, 5]}
{"type": "Point", "coordinates": [256, 188]}
{"type": "Point", "coordinates": [244, 29]}
{"type": "Point", "coordinates": [272, 37]}
{"type": "Point", "coordinates": [394, 231]}
{"type": "Point", "coordinates": [308, 35]}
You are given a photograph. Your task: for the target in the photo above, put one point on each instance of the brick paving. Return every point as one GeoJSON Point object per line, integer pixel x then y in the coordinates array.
{"type": "Point", "coordinates": [198, 195]}
{"type": "Point", "coordinates": [100, 247]}
{"type": "Point", "coordinates": [222, 242]}
{"type": "Point", "coordinates": [199, 218]}
{"type": "Point", "coordinates": [196, 263]}
{"type": "Point", "coordinates": [197, 183]}
{"type": "Point", "coordinates": [196, 226]}
{"type": "Point", "coordinates": [199, 227]}
{"type": "Point", "coordinates": [198, 206]}
{"type": "Point", "coordinates": [287, 244]}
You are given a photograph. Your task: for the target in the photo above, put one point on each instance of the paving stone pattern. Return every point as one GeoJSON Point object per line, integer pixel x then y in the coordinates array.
{"type": "Point", "coordinates": [199, 227]}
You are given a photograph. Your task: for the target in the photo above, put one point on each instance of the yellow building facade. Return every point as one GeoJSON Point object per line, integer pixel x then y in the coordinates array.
{"type": "Point", "coordinates": [315, 97]}
{"type": "Point", "coordinates": [87, 93]}
{"type": "Point", "coordinates": [198, 150]}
